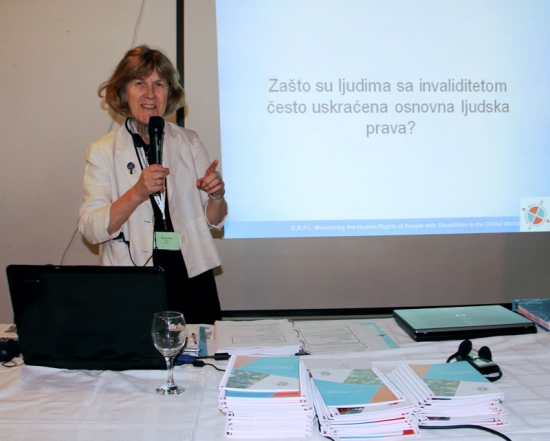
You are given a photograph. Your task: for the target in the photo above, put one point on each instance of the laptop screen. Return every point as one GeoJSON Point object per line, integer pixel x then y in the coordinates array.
{"type": "Point", "coordinates": [87, 317]}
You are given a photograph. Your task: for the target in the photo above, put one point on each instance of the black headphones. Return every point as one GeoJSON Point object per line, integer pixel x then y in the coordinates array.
{"type": "Point", "coordinates": [482, 360]}
{"type": "Point", "coordinates": [9, 349]}
{"type": "Point", "coordinates": [464, 350]}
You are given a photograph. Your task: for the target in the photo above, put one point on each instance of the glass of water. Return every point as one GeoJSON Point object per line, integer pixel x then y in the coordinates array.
{"type": "Point", "coordinates": [168, 331]}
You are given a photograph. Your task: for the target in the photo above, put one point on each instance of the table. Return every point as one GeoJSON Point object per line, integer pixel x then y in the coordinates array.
{"type": "Point", "coordinates": [38, 403]}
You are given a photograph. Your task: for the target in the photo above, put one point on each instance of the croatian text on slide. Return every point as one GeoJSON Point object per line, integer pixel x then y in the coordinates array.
{"type": "Point", "coordinates": [364, 118]}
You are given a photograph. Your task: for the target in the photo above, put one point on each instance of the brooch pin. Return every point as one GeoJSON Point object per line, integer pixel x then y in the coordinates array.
{"type": "Point", "coordinates": [131, 167]}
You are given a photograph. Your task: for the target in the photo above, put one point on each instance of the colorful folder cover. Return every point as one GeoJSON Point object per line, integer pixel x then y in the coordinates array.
{"type": "Point", "coordinates": [537, 310]}
{"type": "Point", "coordinates": [262, 374]}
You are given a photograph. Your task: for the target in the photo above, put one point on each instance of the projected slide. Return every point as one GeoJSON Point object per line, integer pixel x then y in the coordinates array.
{"type": "Point", "coordinates": [389, 117]}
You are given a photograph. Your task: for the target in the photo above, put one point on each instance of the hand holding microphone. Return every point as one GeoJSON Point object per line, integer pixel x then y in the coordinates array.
{"type": "Point", "coordinates": [152, 180]}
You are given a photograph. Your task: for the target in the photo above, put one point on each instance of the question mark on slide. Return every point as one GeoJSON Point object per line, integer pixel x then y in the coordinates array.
{"type": "Point", "coordinates": [412, 124]}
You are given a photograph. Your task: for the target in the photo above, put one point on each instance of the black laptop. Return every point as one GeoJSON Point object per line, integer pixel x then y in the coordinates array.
{"type": "Point", "coordinates": [87, 317]}
{"type": "Point", "coordinates": [461, 322]}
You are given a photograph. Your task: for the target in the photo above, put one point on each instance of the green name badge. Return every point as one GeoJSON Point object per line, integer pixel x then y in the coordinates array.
{"type": "Point", "coordinates": [165, 240]}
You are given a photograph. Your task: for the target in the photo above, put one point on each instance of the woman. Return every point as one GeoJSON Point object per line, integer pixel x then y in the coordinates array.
{"type": "Point", "coordinates": [158, 214]}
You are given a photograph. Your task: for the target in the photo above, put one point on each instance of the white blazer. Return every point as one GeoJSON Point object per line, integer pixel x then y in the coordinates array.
{"type": "Point", "coordinates": [107, 177]}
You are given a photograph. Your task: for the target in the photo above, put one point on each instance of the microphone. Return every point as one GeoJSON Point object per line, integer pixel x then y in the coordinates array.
{"type": "Point", "coordinates": [156, 132]}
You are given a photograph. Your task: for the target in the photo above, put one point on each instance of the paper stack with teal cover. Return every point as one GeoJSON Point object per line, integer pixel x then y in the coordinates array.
{"type": "Point", "coordinates": [266, 397]}
{"type": "Point", "coordinates": [450, 394]}
{"type": "Point", "coordinates": [355, 401]}
{"type": "Point", "coordinates": [537, 310]}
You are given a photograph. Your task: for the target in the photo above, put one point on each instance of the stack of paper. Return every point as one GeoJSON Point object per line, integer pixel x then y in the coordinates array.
{"type": "Point", "coordinates": [265, 397]}
{"type": "Point", "coordinates": [330, 336]}
{"type": "Point", "coordinates": [257, 338]}
{"type": "Point", "coordinates": [450, 394]}
{"type": "Point", "coordinates": [537, 310]}
{"type": "Point", "coordinates": [353, 400]}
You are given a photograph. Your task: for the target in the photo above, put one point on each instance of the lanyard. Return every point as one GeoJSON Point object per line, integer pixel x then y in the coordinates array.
{"type": "Point", "coordinates": [160, 197]}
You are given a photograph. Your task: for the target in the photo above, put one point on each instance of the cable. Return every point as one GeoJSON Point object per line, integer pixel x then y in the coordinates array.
{"type": "Point", "coordinates": [68, 246]}
{"type": "Point", "coordinates": [11, 364]}
{"type": "Point", "coordinates": [137, 28]}
{"type": "Point", "coordinates": [200, 363]}
{"type": "Point", "coordinates": [216, 356]}
{"type": "Point", "coordinates": [138, 24]}
{"type": "Point", "coordinates": [469, 426]}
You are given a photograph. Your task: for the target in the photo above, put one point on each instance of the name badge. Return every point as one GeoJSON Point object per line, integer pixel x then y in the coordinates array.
{"type": "Point", "coordinates": [165, 240]}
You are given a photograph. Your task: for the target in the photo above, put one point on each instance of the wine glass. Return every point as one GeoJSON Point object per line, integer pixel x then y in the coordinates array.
{"type": "Point", "coordinates": [168, 331]}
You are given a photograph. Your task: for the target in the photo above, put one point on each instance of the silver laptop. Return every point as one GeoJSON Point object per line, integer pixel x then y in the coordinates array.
{"type": "Point", "coordinates": [87, 317]}
{"type": "Point", "coordinates": [461, 322]}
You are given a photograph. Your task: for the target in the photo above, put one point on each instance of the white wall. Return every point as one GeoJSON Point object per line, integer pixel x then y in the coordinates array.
{"type": "Point", "coordinates": [53, 56]}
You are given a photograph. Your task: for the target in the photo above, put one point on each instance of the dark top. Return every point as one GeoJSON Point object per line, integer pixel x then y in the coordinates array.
{"type": "Point", "coordinates": [196, 297]}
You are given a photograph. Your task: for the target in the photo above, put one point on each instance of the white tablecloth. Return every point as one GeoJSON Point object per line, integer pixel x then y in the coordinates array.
{"type": "Point", "coordinates": [45, 404]}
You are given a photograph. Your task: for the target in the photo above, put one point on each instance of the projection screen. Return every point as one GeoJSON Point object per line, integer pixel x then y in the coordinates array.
{"type": "Point", "coordinates": [377, 154]}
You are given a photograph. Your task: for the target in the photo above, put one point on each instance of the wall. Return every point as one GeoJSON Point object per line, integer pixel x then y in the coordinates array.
{"type": "Point", "coordinates": [53, 56]}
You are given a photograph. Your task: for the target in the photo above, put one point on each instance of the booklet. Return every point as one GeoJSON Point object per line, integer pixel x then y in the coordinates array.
{"type": "Point", "coordinates": [354, 400]}
{"type": "Point", "coordinates": [262, 374]}
{"type": "Point", "coordinates": [351, 383]}
{"type": "Point", "coordinates": [258, 393]}
{"type": "Point", "coordinates": [537, 310]}
{"type": "Point", "coordinates": [448, 393]}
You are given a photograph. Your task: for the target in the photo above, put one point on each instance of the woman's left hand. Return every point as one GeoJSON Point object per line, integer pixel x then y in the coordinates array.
{"type": "Point", "coordinates": [212, 182]}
